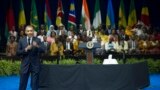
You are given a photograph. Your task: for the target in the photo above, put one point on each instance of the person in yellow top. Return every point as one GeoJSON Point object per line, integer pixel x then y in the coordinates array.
{"type": "Point", "coordinates": [76, 49]}
{"type": "Point", "coordinates": [104, 38]}
{"type": "Point", "coordinates": [56, 48]}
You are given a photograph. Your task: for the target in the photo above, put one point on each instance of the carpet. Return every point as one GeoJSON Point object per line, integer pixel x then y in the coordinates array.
{"type": "Point", "coordinates": [12, 83]}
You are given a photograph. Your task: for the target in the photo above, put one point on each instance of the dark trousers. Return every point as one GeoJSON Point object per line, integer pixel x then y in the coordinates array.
{"type": "Point", "coordinates": [24, 79]}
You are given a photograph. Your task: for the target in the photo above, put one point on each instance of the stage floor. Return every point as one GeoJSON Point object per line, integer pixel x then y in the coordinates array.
{"type": "Point", "coordinates": [12, 83]}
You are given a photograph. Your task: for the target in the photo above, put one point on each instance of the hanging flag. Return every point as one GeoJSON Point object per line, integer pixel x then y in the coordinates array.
{"type": "Point", "coordinates": [110, 15]}
{"type": "Point", "coordinates": [6, 31]}
{"type": "Point", "coordinates": [132, 18]}
{"type": "Point", "coordinates": [34, 15]}
{"type": "Point", "coordinates": [72, 15]}
{"type": "Point", "coordinates": [97, 15]}
{"type": "Point", "coordinates": [122, 16]}
{"type": "Point", "coordinates": [60, 13]}
{"type": "Point", "coordinates": [47, 15]}
{"type": "Point", "coordinates": [85, 18]}
{"type": "Point", "coordinates": [145, 15]}
{"type": "Point", "coordinates": [10, 17]}
{"type": "Point", "coordinates": [22, 19]}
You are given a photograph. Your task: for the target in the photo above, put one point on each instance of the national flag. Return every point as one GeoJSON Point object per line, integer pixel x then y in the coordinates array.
{"type": "Point", "coordinates": [47, 15]}
{"type": "Point", "coordinates": [6, 31]}
{"type": "Point", "coordinates": [22, 19]}
{"type": "Point", "coordinates": [110, 21]}
{"type": "Point", "coordinates": [34, 15]}
{"type": "Point", "coordinates": [60, 13]}
{"type": "Point", "coordinates": [97, 15]}
{"type": "Point", "coordinates": [145, 15]}
{"type": "Point", "coordinates": [122, 15]}
{"type": "Point", "coordinates": [72, 15]}
{"type": "Point", "coordinates": [85, 18]}
{"type": "Point", "coordinates": [132, 18]}
{"type": "Point", "coordinates": [10, 17]}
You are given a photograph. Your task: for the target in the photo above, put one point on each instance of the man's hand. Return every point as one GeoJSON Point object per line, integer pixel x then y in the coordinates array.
{"type": "Point", "coordinates": [29, 47]}
{"type": "Point", "coordinates": [35, 44]}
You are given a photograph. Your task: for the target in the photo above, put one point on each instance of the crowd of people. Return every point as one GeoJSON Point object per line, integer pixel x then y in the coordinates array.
{"type": "Point", "coordinates": [139, 39]}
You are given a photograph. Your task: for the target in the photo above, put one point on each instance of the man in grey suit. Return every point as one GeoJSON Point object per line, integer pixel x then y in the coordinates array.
{"type": "Point", "coordinates": [29, 49]}
{"type": "Point", "coordinates": [133, 45]}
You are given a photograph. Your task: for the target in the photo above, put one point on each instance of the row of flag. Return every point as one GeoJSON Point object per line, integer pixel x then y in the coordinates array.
{"type": "Point", "coordinates": [85, 17]}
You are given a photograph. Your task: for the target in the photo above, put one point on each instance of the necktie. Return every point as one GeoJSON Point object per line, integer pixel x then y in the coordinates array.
{"type": "Point", "coordinates": [29, 43]}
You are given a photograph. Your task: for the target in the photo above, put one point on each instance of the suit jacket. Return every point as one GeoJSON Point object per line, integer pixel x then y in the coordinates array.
{"type": "Point", "coordinates": [31, 57]}
{"type": "Point", "coordinates": [47, 48]}
{"type": "Point", "coordinates": [62, 38]}
{"type": "Point", "coordinates": [130, 44]}
{"type": "Point", "coordinates": [71, 46]}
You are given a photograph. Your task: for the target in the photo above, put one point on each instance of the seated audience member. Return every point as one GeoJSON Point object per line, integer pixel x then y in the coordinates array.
{"type": "Point", "coordinates": [95, 37]}
{"type": "Point", "coordinates": [154, 45]}
{"type": "Point", "coordinates": [108, 30]}
{"type": "Point", "coordinates": [62, 37]}
{"type": "Point", "coordinates": [51, 28]}
{"type": "Point", "coordinates": [143, 45]}
{"type": "Point", "coordinates": [11, 46]}
{"type": "Point", "coordinates": [76, 49]}
{"type": "Point", "coordinates": [61, 29]}
{"type": "Point", "coordinates": [56, 48]}
{"type": "Point", "coordinates": [104, 38]}
{"type": "Point", "coordinates": [124, 44]}
{"type": "Point", "coordinates": [52, 37]}
{"type": "Point", "coordinates": [133, 45]}
{"type": "Point", "coordinates": [13, 32]}
{"type": "Point", "coordinates": [109, 46]}
{"type": "Point", "coordinates": [117, 45]}
{"type": "Point", "coordinates": [80, 30]}
{"type": "Point", "coordinates": [21, 35]}
{"type": "Point", "coordinates": [35, 33]}
{"type": "Point", "coordinates": [41, 35]}
{"type": "Point", "coordinates": [113, 35]}
{"type": "Point", "coordinates": [68, 47]}
{"type": "Point", "coordinates": [47, 45]}
{"type": "Point", "coordinates": [122, 34]}
{"type": "Point", "coordinates": [84, 37]}
{"type": "Point", "coordinates": [70, 30]}
{"type": "Point", "coordinates": [89, 34]}
{"type": "Point", "coordinates": [72, 36]}
{"type": "Point", "coordinates": [101, 50]}
{"type": "Point", "coordinates": [42, 29]}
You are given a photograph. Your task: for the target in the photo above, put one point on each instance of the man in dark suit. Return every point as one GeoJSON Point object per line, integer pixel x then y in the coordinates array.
{"type": "Point", "coordinates": [68, 47]}
{"type": "Point", "coordinates": [29, 49]}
